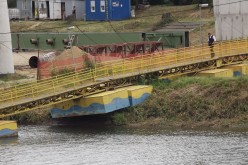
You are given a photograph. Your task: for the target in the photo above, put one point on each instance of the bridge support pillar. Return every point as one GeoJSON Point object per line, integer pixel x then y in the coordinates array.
{"type": "Point", "coordinates": [216, 73]}
{"type": "Point", "coordinates": [238, 70]}
{"type": "Point", "coordinates": [8, 128]}
{"type": "Point", "coordinates": [218, 63]}
{"type": "Point", "coordinates": [102, 103]}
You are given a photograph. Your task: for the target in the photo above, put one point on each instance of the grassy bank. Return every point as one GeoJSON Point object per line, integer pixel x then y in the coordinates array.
{"type": "Point", "coordinates": [188, 102]}
{"type": "Point", "coordinates": [192, 102]}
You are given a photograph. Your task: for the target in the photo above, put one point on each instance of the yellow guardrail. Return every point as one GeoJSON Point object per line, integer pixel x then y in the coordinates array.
{"type": "Point", "coordinates": [29, 92]}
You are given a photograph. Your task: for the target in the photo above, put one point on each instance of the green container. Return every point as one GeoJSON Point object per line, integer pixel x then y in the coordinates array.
{"type": "Point", "coordinates": [39, 41]}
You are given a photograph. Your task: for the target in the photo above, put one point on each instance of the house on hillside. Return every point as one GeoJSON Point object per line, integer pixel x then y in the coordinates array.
{"type": "Point", "coordinates": [100, 10]}
{"type": "Point", "coordinates": [84, 9]}
{"type": "Point", "coordinates": [51, 9]}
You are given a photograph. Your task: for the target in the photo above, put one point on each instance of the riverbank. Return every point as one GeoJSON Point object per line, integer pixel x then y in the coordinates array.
{"type": "Point", "coordinates": [192, 102]}
{"type": "Point", "coordinates": [188, 102]}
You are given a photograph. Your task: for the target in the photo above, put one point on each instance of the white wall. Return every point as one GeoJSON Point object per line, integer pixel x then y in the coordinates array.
{"type": "Point", "coordinates": [42, 12]}
{"type": "Point", "coordinates": [55, 9]}
{"type": "Point", "coordinates": [80, 8]}
{"type": "Point", "coordinates": [231, 19]}
{"type": "Point", "coordinates": [6, 56]}
{"type": "Point", "coordinates": [25, 13]}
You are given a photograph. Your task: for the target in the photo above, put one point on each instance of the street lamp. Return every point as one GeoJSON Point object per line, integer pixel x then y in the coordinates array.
{"type": "Point", "coordinates": [201, 6]}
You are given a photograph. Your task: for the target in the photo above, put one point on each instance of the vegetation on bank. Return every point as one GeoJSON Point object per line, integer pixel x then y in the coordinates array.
{"type": "Point", "coordinates": [188, 101]}
{"type": "Point", "coordinates": [39, 116]}
{"type": "Point", "coordinates": [11, 77]}
{"type": "Point", "coordinates": [191, 102]}
{"type": "Point", "coordinates": [185, 102]}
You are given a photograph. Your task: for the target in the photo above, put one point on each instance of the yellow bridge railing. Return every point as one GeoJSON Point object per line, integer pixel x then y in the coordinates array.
{"type": "Point", "coordinates": [47, 88]}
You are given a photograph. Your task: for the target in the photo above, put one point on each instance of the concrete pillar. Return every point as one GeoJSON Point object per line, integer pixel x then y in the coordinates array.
{"type": "Point", "coordinates": [231, 18]}
{"type": "Point", "coordinates": [6, 56]}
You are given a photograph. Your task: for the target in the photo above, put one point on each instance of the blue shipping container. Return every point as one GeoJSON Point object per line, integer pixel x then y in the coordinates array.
{"type": "Point", "coordinates": [103, 10]}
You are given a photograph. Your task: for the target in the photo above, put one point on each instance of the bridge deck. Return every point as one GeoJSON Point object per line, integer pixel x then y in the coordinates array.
{"type": "Point", "coordinates": [29, 96]}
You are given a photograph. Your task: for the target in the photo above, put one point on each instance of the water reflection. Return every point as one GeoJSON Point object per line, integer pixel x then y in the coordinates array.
{"type": "Point", "coordinates": [9, 141]}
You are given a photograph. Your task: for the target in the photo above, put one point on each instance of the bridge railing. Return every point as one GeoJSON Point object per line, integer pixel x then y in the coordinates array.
{"type": "Point", "coordinates": [132, 66]}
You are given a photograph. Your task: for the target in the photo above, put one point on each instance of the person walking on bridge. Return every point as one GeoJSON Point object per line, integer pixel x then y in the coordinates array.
{"type": "Point", "coordinates": [211, 40]}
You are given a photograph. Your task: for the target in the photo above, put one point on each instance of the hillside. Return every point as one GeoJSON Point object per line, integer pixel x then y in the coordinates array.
{"type": "Point", "coordinates": [145, 20]}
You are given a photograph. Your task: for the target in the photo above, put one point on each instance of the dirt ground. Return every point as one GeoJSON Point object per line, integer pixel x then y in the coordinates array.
{"type": "Point", "coordinates": [21, 64]}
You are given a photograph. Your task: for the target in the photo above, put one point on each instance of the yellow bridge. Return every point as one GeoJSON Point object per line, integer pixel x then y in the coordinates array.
{"type": "Point", "coordinates": [121, 73]}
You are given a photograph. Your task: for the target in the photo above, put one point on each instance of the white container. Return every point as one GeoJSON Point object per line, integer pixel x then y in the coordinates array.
{"type": "Point", "coordinates": [14, 14]}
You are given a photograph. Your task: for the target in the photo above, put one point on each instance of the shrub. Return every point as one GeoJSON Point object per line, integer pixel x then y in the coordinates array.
{"type": "Point", "coordinates": [119, 118]}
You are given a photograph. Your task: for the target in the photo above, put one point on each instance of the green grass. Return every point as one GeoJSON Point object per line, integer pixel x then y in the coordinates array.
{"type": "Point", "coordinates": [194, 99]}
{"type": "Point", "coordinates": [145, 20]}
{"type": "Point", "coordinates": [12, 77]}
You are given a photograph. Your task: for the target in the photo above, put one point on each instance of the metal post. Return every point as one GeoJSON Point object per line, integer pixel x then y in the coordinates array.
{"type": "Point", "coordinates": [38, 73]}
{"type": "Point", "coordinates": [201, 6]}
{"type": "Point", "coordinates": [69, 33]}
{"type": "Point", "coordinates": [200, 25]}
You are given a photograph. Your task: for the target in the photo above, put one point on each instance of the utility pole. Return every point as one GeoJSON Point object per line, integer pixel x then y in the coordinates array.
{"type": "Point", "coordinates": [71, 39]}
{"type": "Point", "coordinates": [201, 6]}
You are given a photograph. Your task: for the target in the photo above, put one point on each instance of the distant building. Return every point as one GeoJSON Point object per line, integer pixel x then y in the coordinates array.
{"type": "Point", "coordinates": [231, 19]}
{"type": "Point", "coordinates": [50, 9]}
{"type": "Point", "coordinates": [100, 10]}
{"type": "Point", "coordinates": [84, 9]}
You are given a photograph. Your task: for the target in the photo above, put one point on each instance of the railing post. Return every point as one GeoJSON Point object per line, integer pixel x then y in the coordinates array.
{"type": "Point", "coordinates": [95, 71]}
{"type": "Point", "coordinates": [150, 62]}
{"type": "Point", "coordinates": [112, 70]}
{"type": "Point", "coordinates": [54, 84]}
{"type": "Point", "coordinates": [12, 100]}
{"type": "Point", "coordinates": [230, 48]}
{"type": "Point", "coordinates": [184, 56]}
{"type": "Point", "coordinates": [32, 90]}
{"type": "Point", "coordinates": [246, 41]}
{"type": "Point", "coordinates": [160, 57]}
{"type": "Point", "coordinates": [141, 63]}
{"type": "Point", "coordinates": [123, 63]}
{"type": "Point", "coordinates": [92, 74]}
{"type": "Point", "coordinates": [132, 65]}
{"type": "Point", "coordinates": [74, 81]}
{"type": "Point", "coordinates": [15, 91]}
{"type": "Point", "coordinates": [106, 70]}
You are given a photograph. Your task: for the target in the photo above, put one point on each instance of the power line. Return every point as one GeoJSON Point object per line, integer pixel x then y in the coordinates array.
{"type": "Point", "coordinates": [6, 46]}
{"type": "Point", "coordinates": [230, 3]}
{"type": "Point", "coordinates": [86, 35]}
{"type": "Point", "coordinates": [117, 32]}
